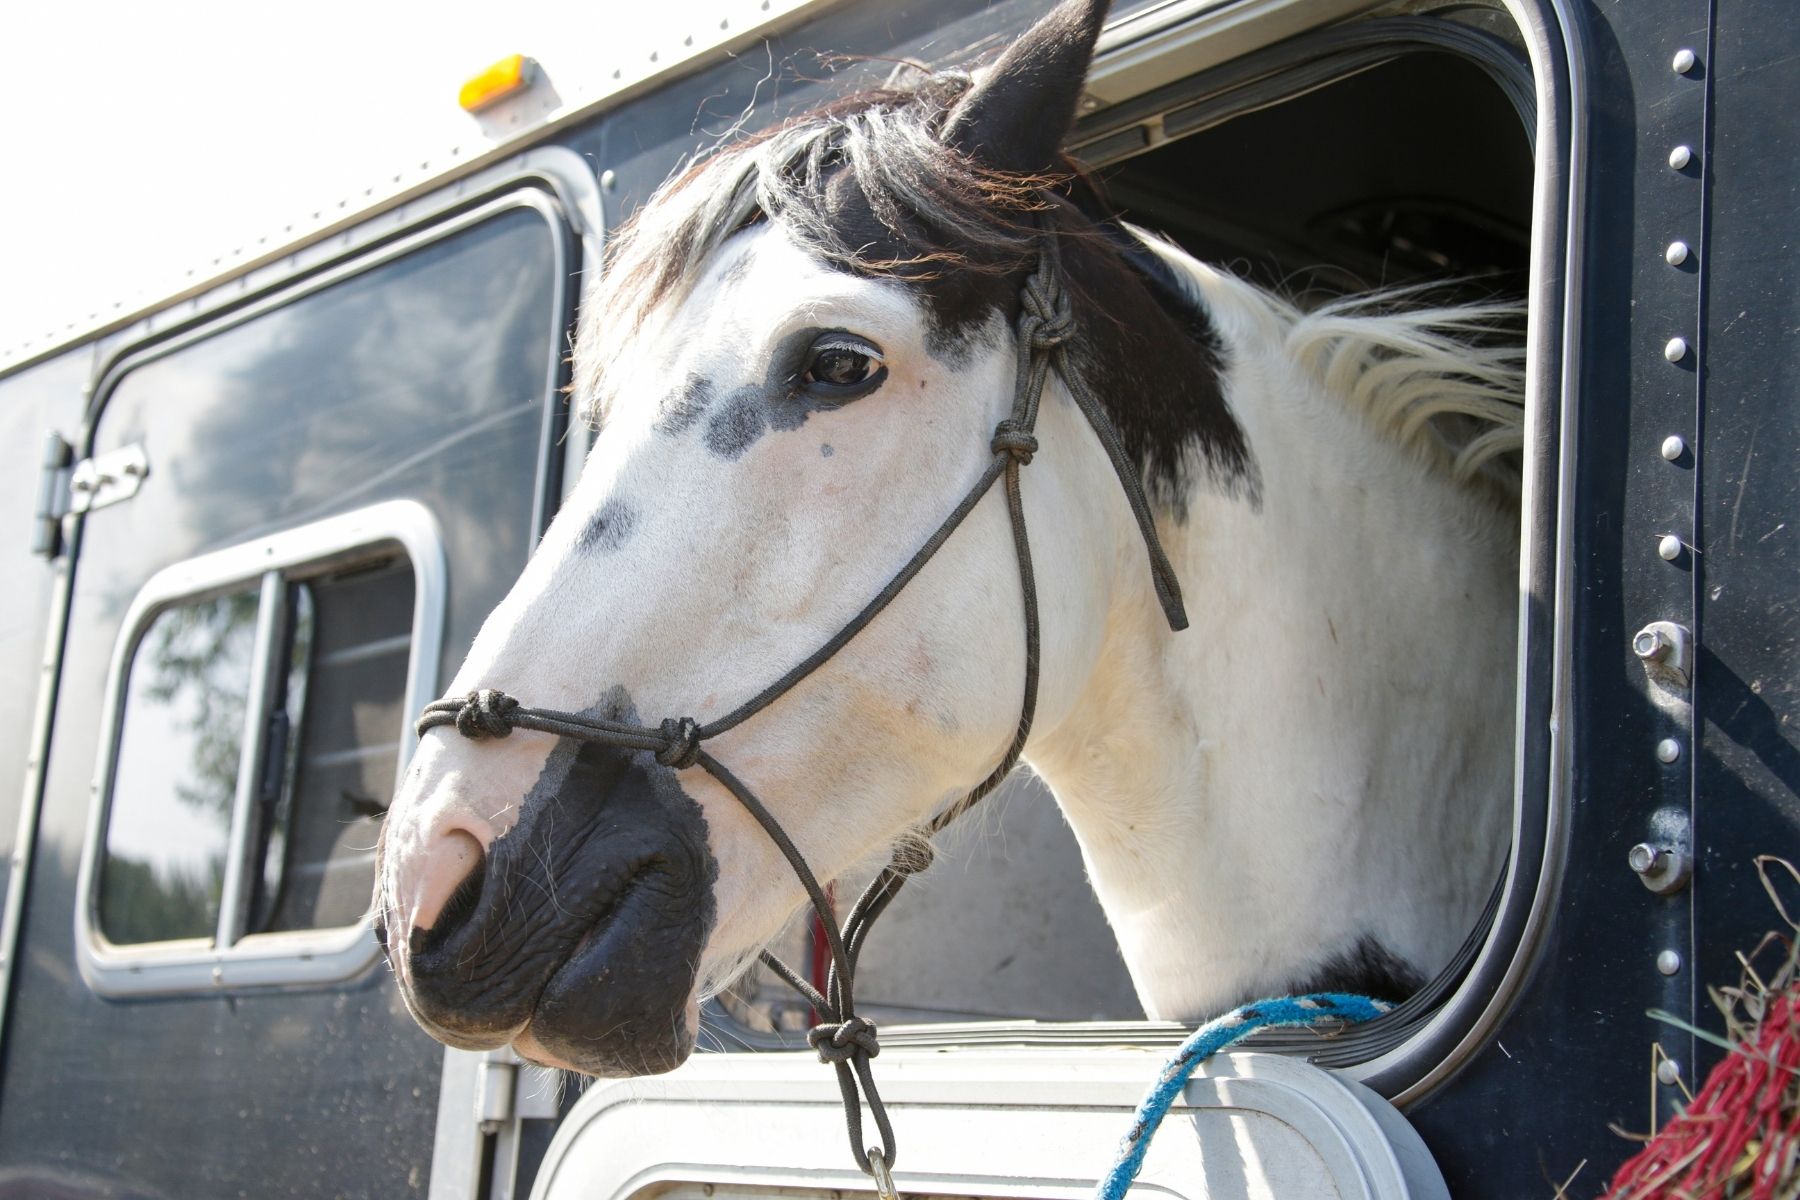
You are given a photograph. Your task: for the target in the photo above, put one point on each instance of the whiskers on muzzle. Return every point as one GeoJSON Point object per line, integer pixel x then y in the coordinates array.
{"type": "Point", "coordinates": [582, 924]}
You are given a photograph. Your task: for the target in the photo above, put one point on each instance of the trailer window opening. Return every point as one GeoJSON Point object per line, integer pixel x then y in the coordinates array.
{"type": "Point", "coordinates": [332, 720]}
{"type": "Point", "coordinates": [258, 710]}
{"type": "Point", "coordinates": [349, 660]}
{"type": "Point", "coordinates": [1414, 165]}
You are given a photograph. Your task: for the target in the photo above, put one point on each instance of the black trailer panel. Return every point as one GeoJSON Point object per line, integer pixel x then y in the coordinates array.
{"type": "Point", "coordinates": [429, 377]}
{"type": "Point", "coordinates": [1747, 687]}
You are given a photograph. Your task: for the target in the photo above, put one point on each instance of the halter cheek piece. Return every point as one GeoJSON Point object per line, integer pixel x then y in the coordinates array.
{"type": "Point", "coordinates": [843, 1039]}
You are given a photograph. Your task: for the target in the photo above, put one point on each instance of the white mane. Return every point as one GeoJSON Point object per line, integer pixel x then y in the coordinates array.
{"type": "Point", "coordinates": [1446, 382]}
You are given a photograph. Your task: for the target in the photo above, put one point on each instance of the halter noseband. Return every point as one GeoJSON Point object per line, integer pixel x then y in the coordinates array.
{"type": "Point", "coordinates": [843, 1039]}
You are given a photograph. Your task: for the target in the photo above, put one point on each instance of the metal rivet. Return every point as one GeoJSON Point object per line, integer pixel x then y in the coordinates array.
{"type": "Point", "coordinates": [609, 179]}
{"type": "Point", "coordinates": [1669, 547]}
{"type": "Point", "coordinates": [1668, 1072]}
{"type": "Point", "coordinates": [1680, 157]}
{"type": "Point", "coordinates": [1673, 447]}
{"type": "Point", "coordinates": [1676, 254]}
{"type": "Point", "coordinates": [1684, 61]}
{"type": "Point", "coordinates": [218, 975]}
{"type": "Point", "coordinates": [1651, 645]}
{"type": "Point", "coordinates": [1668, 962]}
{"type": "Point", "coordinates": [1662, 869]}
{"type": "Point", "coordinates": [1675, 350]}
{"type": "Point", "coordinates": [1668, 750]}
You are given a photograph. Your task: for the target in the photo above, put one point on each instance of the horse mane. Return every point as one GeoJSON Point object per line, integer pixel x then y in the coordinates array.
{"type": "Point", "coordinates": [868, 185]}
{"type": "Point", "coordinates": [1446, 381]}
{"type": "Point", "coordinates": [936, 209]}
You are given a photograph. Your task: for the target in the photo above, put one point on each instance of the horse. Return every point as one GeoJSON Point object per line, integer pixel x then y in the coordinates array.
{"type": "Point", "coordinates": [798, 357]}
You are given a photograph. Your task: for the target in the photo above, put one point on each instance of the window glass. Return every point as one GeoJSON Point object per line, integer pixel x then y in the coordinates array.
{"type": "Point", "coordinates": [319, 859]}
{"type": "Point", "coordinates": [332, 741]}
{"type": "Point", "coordinates": [176, 772]}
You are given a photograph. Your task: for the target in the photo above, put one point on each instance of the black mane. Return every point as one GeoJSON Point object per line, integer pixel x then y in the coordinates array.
{"type": "Point", "coordinates": [869, 186]}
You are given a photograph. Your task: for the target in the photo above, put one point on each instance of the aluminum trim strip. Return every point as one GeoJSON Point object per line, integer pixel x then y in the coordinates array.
{"type": "Point", "coordinates": [265, 670]}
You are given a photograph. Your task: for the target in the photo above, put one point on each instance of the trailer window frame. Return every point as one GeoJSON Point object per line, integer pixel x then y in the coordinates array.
{"type": "Point", "coordinates": [392, 529]}
{"type": "Point", "coordinates": [1131, 84]}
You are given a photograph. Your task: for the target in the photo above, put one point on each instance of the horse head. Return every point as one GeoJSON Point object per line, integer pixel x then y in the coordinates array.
{"type": "Point", "coordinates": [787, 615]}
{"type": "Point", "coordinates": [797, 359]}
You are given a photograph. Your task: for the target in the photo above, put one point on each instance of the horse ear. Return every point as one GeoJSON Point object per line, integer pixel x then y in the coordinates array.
{"type": "Point", "coordinates": [1019, 110]}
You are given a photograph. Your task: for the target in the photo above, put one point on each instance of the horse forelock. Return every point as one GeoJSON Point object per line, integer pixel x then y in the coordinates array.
{"type": "Point", "coordinates": [863, 185]}
{"type": "Point", "coordinates": [868, 186]}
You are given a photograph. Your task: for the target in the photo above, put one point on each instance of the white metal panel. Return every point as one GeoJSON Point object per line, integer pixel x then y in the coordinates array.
{"type": "Point", "coordinates": [990, 1123]}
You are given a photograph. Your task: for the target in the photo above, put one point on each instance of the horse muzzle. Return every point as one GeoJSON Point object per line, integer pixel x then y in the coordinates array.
{"type": "Point", "coordinates": [577, 932]}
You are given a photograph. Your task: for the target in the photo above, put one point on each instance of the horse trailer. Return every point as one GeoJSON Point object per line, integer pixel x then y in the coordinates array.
{"type": "Point", "coordinates": [260, 519]}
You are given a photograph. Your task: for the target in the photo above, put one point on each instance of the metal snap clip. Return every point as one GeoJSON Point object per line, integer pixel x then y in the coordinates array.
{"type": "Point", "coordinates": [884, 1179]}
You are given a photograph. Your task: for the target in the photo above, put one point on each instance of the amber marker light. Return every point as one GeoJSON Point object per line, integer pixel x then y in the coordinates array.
{"type": "Point", "coordinates": [509, 76]}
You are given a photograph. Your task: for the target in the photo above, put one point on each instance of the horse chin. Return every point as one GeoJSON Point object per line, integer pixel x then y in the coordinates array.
{"type": "Point", "coordinates": [603, 1061]}
{"type": "Point", "coordinates": [621, 1004]}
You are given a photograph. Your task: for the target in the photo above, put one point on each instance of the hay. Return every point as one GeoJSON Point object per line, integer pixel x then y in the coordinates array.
{"type": "Point", "coordinates": [1739, 1138]}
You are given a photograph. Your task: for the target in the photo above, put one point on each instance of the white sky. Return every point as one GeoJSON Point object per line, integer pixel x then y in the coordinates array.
{"type": "Point", "coordinates": [141, 140]}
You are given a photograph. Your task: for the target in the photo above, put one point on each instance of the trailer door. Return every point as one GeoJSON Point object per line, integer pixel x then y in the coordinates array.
{"type": "Point", "coordinates": [302, 505]}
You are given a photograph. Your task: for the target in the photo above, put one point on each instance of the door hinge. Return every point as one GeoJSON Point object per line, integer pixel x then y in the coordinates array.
{"type": "Point", "coordinates": [52, 496]}
{"type": "Point", "coordinates": [107, 478]}
{"type": "Point", "coordinates": [66, 487]}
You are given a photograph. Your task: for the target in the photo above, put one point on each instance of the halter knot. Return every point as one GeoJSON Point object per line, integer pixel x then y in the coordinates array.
{"type": "Point", "coordinates": [912, 857]}
{"type": "Point", "coordinates": [842, 1041]}
{"type": "Point", "coordinates": [486, 713]}
{"type": "Point", "coordinates": [1012, 438]}
{"type": "Point", "coordinates": [1047, 302]}
{"type": "Point", "coordinates": [681, 742]}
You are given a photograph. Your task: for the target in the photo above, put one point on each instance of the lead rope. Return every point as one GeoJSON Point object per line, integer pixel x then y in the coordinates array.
{"type": "Point", "coordinates": [1327, 1012]}
{"type": "Point", "coordinates": [843, 1039]}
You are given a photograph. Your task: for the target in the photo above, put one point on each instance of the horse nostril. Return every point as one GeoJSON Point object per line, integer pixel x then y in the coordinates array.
{"type": "Point", "coordinates": [449, 888]}
{"type": "Point", "coordinates": [461, 904]}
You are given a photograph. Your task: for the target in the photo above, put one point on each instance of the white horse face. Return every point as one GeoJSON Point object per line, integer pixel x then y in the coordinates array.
{"type": "Point", "coordinates": [776, 446]}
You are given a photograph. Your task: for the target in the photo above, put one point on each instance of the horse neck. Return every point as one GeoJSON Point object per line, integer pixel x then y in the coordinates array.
{"type": "Point", "coordinates": [1292, 776]}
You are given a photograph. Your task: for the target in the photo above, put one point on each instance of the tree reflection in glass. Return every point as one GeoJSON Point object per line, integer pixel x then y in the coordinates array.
{"type": "Point", "coordinates": [176, 771]}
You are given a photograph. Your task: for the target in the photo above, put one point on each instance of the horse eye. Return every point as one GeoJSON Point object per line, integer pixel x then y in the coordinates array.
{"type": "Point", "coordinates": [841, 366]}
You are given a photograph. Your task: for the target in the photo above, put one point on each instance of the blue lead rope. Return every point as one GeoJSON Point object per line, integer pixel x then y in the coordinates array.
{"type": "Point", "coordinates": [1319, 1009]}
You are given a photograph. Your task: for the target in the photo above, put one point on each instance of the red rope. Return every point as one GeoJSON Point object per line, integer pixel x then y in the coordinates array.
{"type": "Point", "coordinates": [819, 960]}
{"type": "Point", "coordinates": [1748, 1113]}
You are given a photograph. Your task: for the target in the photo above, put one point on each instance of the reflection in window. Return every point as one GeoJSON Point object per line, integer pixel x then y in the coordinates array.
{"type": "Point", "coordinates": [331, 741]}
{"type": "Point", "coordinates": [176, 773]}
{"type": "Point", "coordinates": [318, 860]}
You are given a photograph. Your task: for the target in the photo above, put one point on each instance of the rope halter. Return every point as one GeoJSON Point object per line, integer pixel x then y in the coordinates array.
{"type": "Point", "coordinates": [843, 1039]}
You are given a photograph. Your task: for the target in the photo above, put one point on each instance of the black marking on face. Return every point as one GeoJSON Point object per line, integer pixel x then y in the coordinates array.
{"type": "Point", "coordinates": [587, 920]}
{"type": "Point", "coordinates": [609, 528]}
{"type": "Point", "coordinates": [779, 403]}
{"type": "Point", "coordinates": [960, 304]}
{"type": "Point", "coordinates": [683, 407]}
{"type": "Point", "coordinates": [953, 338]}
{"type": "Point", "coordinates": [1366, 969]}
{"type": "Point", "coordinates": [825, 450]}
{"type": "Point", "coordinates": [738, 423]}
